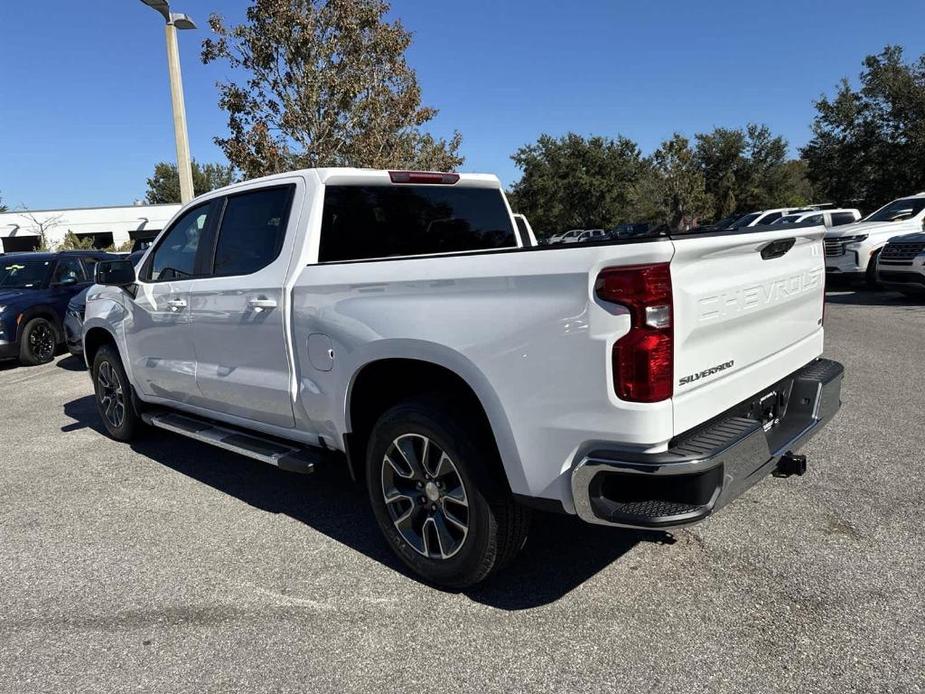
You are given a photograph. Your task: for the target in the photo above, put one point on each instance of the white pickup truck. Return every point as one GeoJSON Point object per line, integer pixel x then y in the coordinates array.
{"type": "Point", "coordinates": [394, 322]}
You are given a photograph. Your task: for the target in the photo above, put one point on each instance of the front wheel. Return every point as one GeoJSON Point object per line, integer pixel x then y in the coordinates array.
{"type": "Point", "coordinates": [114, 395]}
{"type": "Point", "coordinates": [870, 276]}
{"type": "Point", "coordinates": [433, 482]}
{"type": "Point", "coordinates": [39, 341]}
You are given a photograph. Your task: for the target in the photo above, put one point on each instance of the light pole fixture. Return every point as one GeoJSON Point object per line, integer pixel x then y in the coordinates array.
{"type": "Point", "coordinates": [177, 20]}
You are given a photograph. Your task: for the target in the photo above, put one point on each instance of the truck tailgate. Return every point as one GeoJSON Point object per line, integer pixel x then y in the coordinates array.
{"type": "Point", "coordinates": [747, 312]}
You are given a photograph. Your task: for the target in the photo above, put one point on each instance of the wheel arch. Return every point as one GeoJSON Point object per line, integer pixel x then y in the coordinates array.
{"type": "Point", "coordinates": [381, 382]}
{"type": "Point", "coordinates": [45, 311]}
{"type": "Point", "coordinates": [94, 338]}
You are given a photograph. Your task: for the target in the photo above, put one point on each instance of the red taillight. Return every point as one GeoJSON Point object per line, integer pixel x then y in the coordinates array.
{"type": "Point", "coordinates": [423, 177]}
{"type": "Point", "coordinates": [643, 359]}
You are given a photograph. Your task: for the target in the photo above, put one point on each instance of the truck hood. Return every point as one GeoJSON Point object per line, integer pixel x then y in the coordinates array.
{"type": "Point", "coordinates": [916, 237]}
{"type": "Point", "coordinates": [892, 228]}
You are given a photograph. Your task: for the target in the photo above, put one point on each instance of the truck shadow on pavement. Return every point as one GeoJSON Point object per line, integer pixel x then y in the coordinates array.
{"type": "Point", "coordinates": [561, 553]}
{"type": "Point", "coordinates": [870, 297]}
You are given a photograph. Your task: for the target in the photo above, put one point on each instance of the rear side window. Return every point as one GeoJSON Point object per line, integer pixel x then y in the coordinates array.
{"type": "Point", "coordinates": [381, 221]}
{"type": "Point", "coordinates": [771, 218]}
{"type": "Point", "coordinates": [252, 230]}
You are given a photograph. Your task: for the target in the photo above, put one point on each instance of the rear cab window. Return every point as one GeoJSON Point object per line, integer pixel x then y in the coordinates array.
{"type": "Point", "coordinates": [366, 222]}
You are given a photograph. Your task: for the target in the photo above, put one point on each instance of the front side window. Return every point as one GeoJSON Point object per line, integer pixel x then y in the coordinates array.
{"type": "Point", "coordinates": [381, 221]}
{"type": "Point", "coordinates": [68, 271]}
{"type": "Point", "coordinates": [252, 231]}
{"type": "Point", "coordinates": [746, 220]}
{"type": "Point", "coordinates": [771, 218]}
{"type": "Point", "coordinates": [175, 257]}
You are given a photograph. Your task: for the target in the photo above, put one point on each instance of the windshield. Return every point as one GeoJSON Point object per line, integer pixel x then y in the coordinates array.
{"type": "Point", "coordinates": [897, 210]}
{"type": "Point", "coordinates": [24, 274]}
{"type": "Point", "coordinates": [745, 221]}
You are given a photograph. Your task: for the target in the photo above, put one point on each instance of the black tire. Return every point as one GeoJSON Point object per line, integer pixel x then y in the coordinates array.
{"type": "Point", "coordinates": [496, 526]}
{"type": "Point", "coordinates": [114, 397]}
{"type": "Point", "coordinates": [870, 277]}
{"type": "Point", "coordinates": [39, 342]}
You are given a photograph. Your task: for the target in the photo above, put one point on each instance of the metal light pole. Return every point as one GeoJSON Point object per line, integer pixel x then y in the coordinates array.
{"type": "Point", "coordinates": [176, 20]}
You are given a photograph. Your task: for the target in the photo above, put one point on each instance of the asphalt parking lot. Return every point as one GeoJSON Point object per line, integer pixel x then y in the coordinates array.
{"type": "Point", "coordinates": [171, 566]}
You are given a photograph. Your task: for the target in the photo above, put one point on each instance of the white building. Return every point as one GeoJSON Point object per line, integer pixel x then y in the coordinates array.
{"type": "Point", "coordinates": [107, 226]}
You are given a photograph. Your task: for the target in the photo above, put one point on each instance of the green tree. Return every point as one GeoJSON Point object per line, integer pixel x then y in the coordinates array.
{"type": "Point", "coordinates": [164, 185]}
{"type": "Point", "coordinates": [868, 144]}
{"type": "Point", "coordinates": [748, 169]}
{"type": "Point", "coordinates": [721, 156]}
{"type": "Point", "coordinates": [576, 182]}
{"type": "Point", "coordinates": [3, 207]}
{"type": "Point", "coordinates": [675, 187]}
{"type": "Point", "coordinates": [72, 242]}
{"type": "Point", "coordinates": [324, 83]}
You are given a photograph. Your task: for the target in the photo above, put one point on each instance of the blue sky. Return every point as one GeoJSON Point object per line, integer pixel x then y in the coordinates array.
{"type": "Point", "coordinates": [85, 110]}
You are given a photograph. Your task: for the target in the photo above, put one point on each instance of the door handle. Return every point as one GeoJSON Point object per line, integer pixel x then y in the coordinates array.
{"type": "Point", "coordinates": [176, 304]}
{"type": "Point", "coordinates": [261, 303]}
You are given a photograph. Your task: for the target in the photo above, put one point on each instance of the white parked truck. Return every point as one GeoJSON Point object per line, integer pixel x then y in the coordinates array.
{"type": "Point", "coordinates": [851, 251]}
{"type": "Point", "coordinates": [394, 322]}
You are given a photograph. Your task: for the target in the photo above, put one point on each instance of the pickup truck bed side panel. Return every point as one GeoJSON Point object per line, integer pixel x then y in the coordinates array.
{"type": "Point", "coordinates": [521, 328]}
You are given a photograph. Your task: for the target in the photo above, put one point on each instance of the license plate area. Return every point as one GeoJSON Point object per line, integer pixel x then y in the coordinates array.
{"type": "Point", "coordinates": [770, 407]}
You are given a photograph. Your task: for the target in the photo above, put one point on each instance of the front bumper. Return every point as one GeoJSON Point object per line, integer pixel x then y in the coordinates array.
{"type": "Point", "coordinates": [8, 350]}
{"type": "Point", "coordinates": [851, 262]}
{"type": "Point", "coordinates": [73, 333]}
{"type": "Point", "coordinates": [705, 469]}
{"type": "Point", "coordinates": [902, 279]}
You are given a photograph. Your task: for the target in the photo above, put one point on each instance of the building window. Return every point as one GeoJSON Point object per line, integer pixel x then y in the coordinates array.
{"type": "Point", "coordinates": [101, 240]}
{"type": "Point", "coordinates": [20, 244]}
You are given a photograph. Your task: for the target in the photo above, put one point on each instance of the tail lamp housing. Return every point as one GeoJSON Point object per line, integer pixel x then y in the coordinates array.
{"type": "Point", "coordinates": [643, 359]}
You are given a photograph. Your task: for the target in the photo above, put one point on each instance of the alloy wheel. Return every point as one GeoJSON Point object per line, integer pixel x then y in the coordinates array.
{"type": "Point", "coordinates": [110, 394]}
{"type": "Point", "coordinates": [42, 342]}
{"type": "Point", "coordinates": [425, 496]}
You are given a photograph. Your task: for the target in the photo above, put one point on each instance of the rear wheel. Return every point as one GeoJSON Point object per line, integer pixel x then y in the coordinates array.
{"type": "Point", "coordinates": [114, 395]}
{"type": "Point", "coordinates": [436, 494]}
{"type": "Point", "coordinates": [39, 341]}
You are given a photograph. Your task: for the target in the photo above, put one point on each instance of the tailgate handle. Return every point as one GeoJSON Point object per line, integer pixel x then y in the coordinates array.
{"type": "Point", "coordinates": [776, 249]}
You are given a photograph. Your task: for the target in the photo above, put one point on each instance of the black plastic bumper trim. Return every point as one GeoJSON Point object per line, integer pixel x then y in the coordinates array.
{"type": "Point", "coordinates": [733, 444]}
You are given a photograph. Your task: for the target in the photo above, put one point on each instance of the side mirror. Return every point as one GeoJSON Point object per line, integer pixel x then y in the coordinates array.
{"type": "Point", "coordinates": [115, 273]}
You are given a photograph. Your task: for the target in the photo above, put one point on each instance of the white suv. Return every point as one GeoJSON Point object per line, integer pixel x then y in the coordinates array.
{"type": "Point", "coordinates": [828, 218]}
{"type": "Point", "coordinates": [762, 217]}
{"type": "Point", "coordinates": [851, 251]}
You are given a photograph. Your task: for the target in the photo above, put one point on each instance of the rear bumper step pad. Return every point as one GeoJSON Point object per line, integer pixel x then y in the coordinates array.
{"type": "Point", "coordinates": [710, 466]}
